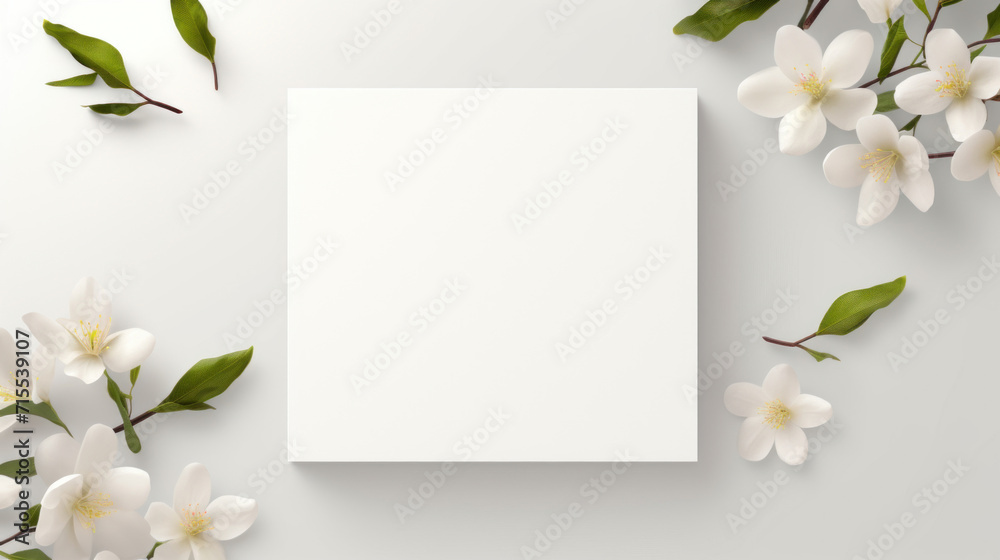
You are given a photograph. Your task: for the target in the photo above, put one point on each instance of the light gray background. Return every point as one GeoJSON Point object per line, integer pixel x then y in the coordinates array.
{"type": "Point", "coordinates": [192, 282]}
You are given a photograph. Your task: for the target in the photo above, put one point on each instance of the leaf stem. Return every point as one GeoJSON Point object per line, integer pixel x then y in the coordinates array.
{"type": "Point", "coordinates": [144, 416]}
{"type": "Point", "coordinates": [16, 535]}
{"type": "Point", "coordinates": [157, 103]}
{"type": "Point", "coordinates": [815, 13]}
{"type": "Point", "coordinates": [802, 20]}
{"type": "Point", "coordinates": [891, 74]}
{"type": "Point", "coordinates": [215, 73]}
{"type": "Point", "coordinates": [796, 344]}
{"type": "Point", "coordinates": [983, 42]}
{"type": "Point", "coordinates": [940, 155]}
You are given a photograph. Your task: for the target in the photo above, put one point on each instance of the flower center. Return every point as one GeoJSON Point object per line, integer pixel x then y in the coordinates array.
{"type": "Point", "coordinates": [93, 507]}
{"type": "Point", "coordinates": [880, 164]}
{"type": "Point", "coordinates": [996, 159]}
{"type": "Point", "coordinates": [810, 83]}
{"type": "Point", "coordinates": [955, 84]}
{"type": "Point", "coordinates": [92, 335]}
{"type": "Point", "coordinates": [775, 414]}
{"type": "Point", "coordinates": [195, 520]}
{"type": "Point", "coordinates": [7, 394]}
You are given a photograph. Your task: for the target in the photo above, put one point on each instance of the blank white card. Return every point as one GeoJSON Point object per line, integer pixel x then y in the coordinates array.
{"type": "Point", "coordinates": [513, 274]}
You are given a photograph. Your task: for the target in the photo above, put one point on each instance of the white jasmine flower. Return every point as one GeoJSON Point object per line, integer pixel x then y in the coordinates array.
{"type": "Point", "coordinates": [953, 84]}
{"type": "Point", "coordinates": [84, 342]}
{"type": "Point", "coordinates": [879, 11]}
{"type": "Point", "coordinates": [883, 164]}
{"type": "Point", "coordinates": [195, 525]}
{"type": "Point", "coordinates": [9, 491]}
{"type": "Point", "coordinates": [977, 156]}
{"type": "Point", "coordinates": [807, 87]}
{"type": "Point", "coordinates": [775, 415]}
{"type": "Point", "coordinates": [90, 504]}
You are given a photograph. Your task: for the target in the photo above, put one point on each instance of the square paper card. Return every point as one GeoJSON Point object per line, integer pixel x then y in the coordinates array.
{"type": "Point", "coordinates": [513, 274]}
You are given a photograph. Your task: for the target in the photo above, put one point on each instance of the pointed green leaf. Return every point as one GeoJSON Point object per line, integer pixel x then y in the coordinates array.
{"type": "Point", "coordinates": [192, 23]}
{"type": "Point", "coordinates": [718, 18]}
{"type": "Point", "coordinates": [93, 53]}
{"type": "Point", "coordinates": [949, 2]}
{"type": "Point", "coordinates": [75, 81]}
{"type": "Point", "coordinates": [32, 554]}
{"type": "Point", "coordinates": [205, 380]}
{"type": "Point", "coordinates": [922, 6]}
{"type": "Point", "coordinates": [992, 23]}
{"type": "Point", "coordinates": [33, 513]}
{"type": "Point", "coordinates": [977, 52]}
{"type": "Point", "coordinates": [819, 356]}
{"type": "Point", "coordinates": [131, 438]}
{"type": "Point", "coordinates": [886, 102]}
{"type": "Point", "coordinates": [120, 109]}
{"type": "Point", "coordinates": [890, 50]}
{"type": "Point", "coordinates": [41, 410]}
{"type": "Point", "coordinates": [10, 468]}
{"type": "Point", "coordinates": [911, 125]}
{"type": "Point", "coordinates": [133, 375]}
{"type": "Point", "coordinates": [852, 309]}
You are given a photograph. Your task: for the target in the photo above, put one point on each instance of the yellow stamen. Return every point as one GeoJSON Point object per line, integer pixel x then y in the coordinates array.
{"type": "Point", "coordinates": [880, 164]}
{"type": "Point", "coordinates": [775, 414]}
{"type": "Point", "coordinates": [996, 159]}
{"type": "Point", "coordinates": [92, 335]}
{"type": "Point", "coordinates": [955, 84]}
{"type": "Point", "coordinates": [195, 520]}
{"type": "Point", "coordinates": [93, 507]}
{"type": "Point", "coordinates": [811, 84]}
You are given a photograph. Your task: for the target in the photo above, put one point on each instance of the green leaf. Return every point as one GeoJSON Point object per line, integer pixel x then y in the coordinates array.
{"type": "Point", "coordinates": [33, 513]}
{"type": "Point", "coordinates": [911, 125]}
{"type": "Point", "coordinates": [75, 81]}
{"type": "Point", "coordinates": [10, 468]}
{"type": "Point", "coordinates": [977, 52]}
{"type": "Point", "coordinates": [192, 22]}
{"type": "Point", "coordinates": [922, 6]}
{"type": "Point", "coordinates": [152, 551]}
{"type": "Point", "coordinates": [852, 309]}
{"type": "Point", "coordinates": [205, 380]}
{"type": "Point", "coordinates": [131, 438]}
{"type": "Point", "coordinates": [41, 410]}
{"type": "Point", "coordinates": [31, 554]}
{"type": "Point", "coordinates": [992, 24]}
{"type": "Point", "coordinates": [890, 50]}
{"type": "Point", "coordinates": [133, 375]}
{"type": "Point", "coordinates": [949, 2]}
{"type": "Point", "coordinates": [886, 102]}
{"type": "Point", "coordinates": [718, 18]}
{"type": "Point", "coordinates": [819, 356]}
{"type": "Point", "coordinates": [93, 53]}
{"type": "Point", "coordinates": [120, 109]}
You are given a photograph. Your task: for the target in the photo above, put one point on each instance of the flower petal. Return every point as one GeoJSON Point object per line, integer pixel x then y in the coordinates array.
{"type": "Point", "coordinates": [87, 368]}
{"type": "Point", "coordinates": [179, 549]}
{"type": "Point", "coordinates": [877, 201]}
{"type": "Point", "coordinates": [207, 549]}
{"type": "Point", "coordinates": [164, 523]}
{"type": "Point", "coordinates": [70, 547]}
{"type": "Point", "coordinates": [87, 304]}
{"type": "Point", "coordinates": [791, 444]}
{"type": "Point", "coordinates": [920, 190]}
{"type": "Point", "coordinates": [231, 516]}
{"type": "Point", "coordinates": [965, 116]}
{"type": "Point", "coordinates": [809, 411]}
{"type": "Point", "coordinates": [797, 53]}
{"type": "Point", "coordinates": [995, 180]}
{"type": "Point", "coordinates": [127, 349]}
{"type": "Point", "coordinates": [781, 383]}
{"type": "Point", "coordinates": [7, 422]}
{"type": "Point", "coordinates": [44, 369]}
{"type": "Point", "coordinates": [53, 336]}
{"type": "Point", "coordinates": [743, 399]}
{"type": "Point", "coordinates": [106, 555]}
{"type": "Point", "coordinates": [128, 487]}
{"type": "Point", "coordinates": [756, 439]}
{"type": "Point", "coordinates": [125, 533]}
{"type": "Point", "coordinates": [802, 130]}
{"type": "Point", "coordinates": [984, 77]}
{"type": "Point", "coordinates": [8, 353]}
{"type": "Point", "coordinates": [97, 454]}
{"type": "Point", "coordinates": [842, 166]}
{"type": "Point", "coordinates": [845, 107]}
{"type": "Point", "coordinates": [846, 58]}
{"type": "Point", "coordinates": [8, 492]}
{"type": "Point", "coordinates": [769, 93]}
{"type": "Point", "coordinates": [879, 11]}
{"type": "Point", "coordinates": [878, 133]}
{"type": "Point", "coordinates": [56, 457]}
{"type": "Point", "coordinates": [918, 94]}
{"type": "Point", "coordinates": [974, 157]}
{"type": "Point", "coordinates": [56, 510]}
{"type": "Point", "coordinates": [193, 488]}
{"type": "Point", "coordinates": [945, 48]}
